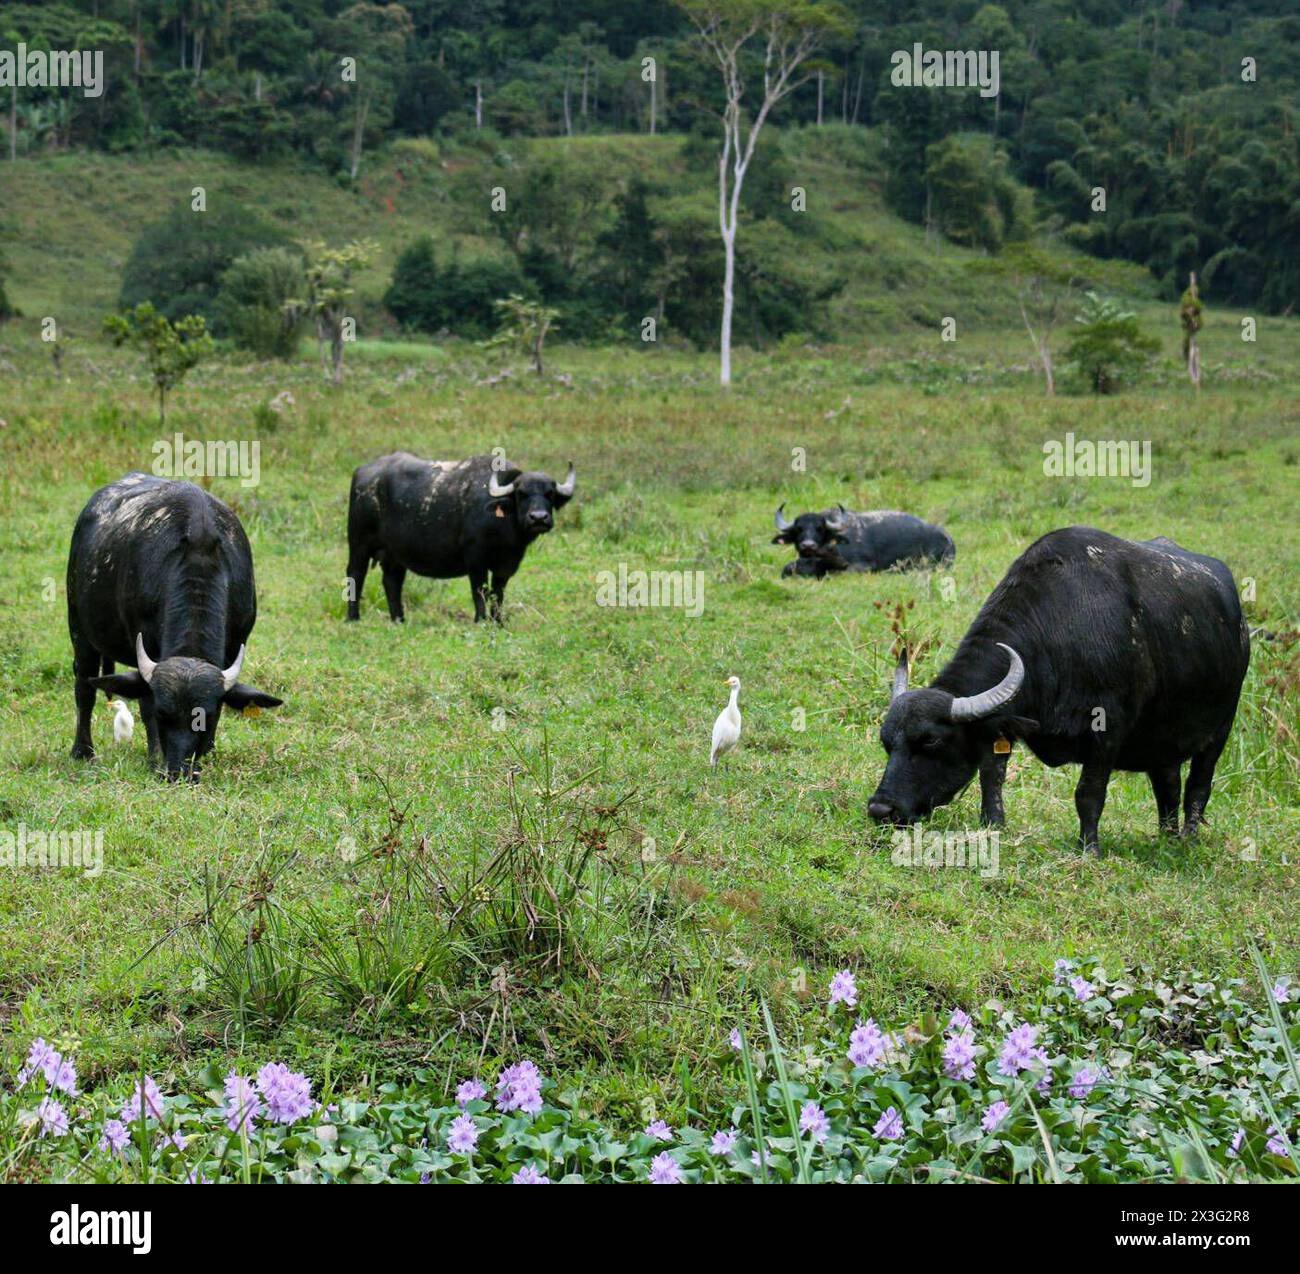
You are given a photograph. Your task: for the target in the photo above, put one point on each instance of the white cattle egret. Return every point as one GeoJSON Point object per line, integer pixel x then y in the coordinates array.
{"type": "Point", "coordinates": [123, 722]}
{"type": "Point", "coordinates": [726, 729]}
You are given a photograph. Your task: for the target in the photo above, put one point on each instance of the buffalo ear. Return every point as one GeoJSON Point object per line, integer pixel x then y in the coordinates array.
{"type": "Point", "coordinates": [240, 696]}
{"type": "Point", "coordinates": [781, 537]}
{"type": "Point", "coordinates": [559, 499]}
{"type": "Point", "coordinates": [123, 685]}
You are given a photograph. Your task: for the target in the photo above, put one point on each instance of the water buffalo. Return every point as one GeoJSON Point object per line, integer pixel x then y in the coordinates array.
{"type": "Point", "coordinates": [445, 519]}
{"type": "Point", "coordinates": [1106, 653]}
{"type": "Point", "coordinates": [837, 540]}
{"type": "Point", "coordinates": [161, 566]}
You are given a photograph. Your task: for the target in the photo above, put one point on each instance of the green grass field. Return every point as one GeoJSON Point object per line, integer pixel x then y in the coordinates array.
{"type": "Point", "coordinates": [760, 869]}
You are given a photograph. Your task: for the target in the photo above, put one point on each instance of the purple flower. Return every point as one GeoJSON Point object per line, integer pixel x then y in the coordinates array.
{"type": "Point", "coordinates": [175, 1140]}
{"type": "Point", "coordinates": [1082, 988]}
{"type": "Point", "coordinates": [115, 1136]}
{"type": "Point", "coordinates": [959, 1057]}
{"type": "Point", "coordinates": [59, 1071]}
{"type": "Point", "coordinates": [959, 1022]}
{"type": "Point", "coordinates": [659, 1131]}
{"type": "Point", "coordinates": [1018, 1050]}
{"type": "Point", "coordinates": [519, 1087]}
{"type": "Point", "coordinates": [470, 1090]}
{"type": "Point", "coordinates": [812, 1119]}
{"type": "Point", "coordinates": [889, 1127]}
{"type": "Point", "coordinates": [1084, 1081]}
{"type": "Point", "coordinates": [844, 990]}
{"type": "Point", "coordinates": [665, 1170]}
{"type": "Point", "coordinates": [287, 1093]}
{"type": "Point", "coordinates": [1040, 1057]}
{"type": "Point", "coordinates": [723, 1143]}
{"type": "Point", "coordinates": [994, 1115]}
{"type": "Point", "coordinates": [1281, 992]}
{"type": "Point", "coordinates": [1235, 1148]}
{"type": "Point", "coordinates": [866, 1044]}
{"type": "Point", "coordinates": [195, 1178]}
{"type": "Point", "coordinates": [54, 1119]}
{"type": "Point", "coordinates": [1276, 1146]}
{"type": "Point", "coordinates": [147, 1097]}
{"type": "Point", "coordinates": [463, 1136]}
{"type": "Point", "coordinates": [529, 1176]}
{"type": "Point", "coordinates": [1063, 969]}
{"type": "Point", "coordinates": [243, 1105]}
{"type": "Point", "coordinates": [735, 1041]}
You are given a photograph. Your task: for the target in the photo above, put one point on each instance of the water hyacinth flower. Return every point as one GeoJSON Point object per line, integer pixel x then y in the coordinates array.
{"type": "Point", "coordinates": [243, 1105]}
{"type": "Point", "coordinates": [463, 1136]}
{"type": "Point", "coordinates": [287, 1093]}
{"type": "Point", "coordinates": [1062, 970]}
{"type": "Point", "coordinates": [994, 1115]}
{"type": "Point", "coordinates": [175, 1140]}
{"type": "Point", "coordinates": [724, 1142]}
{"type": "Point", "coordinates": [812, 1120]}
{"type": "Point", "coordinates": [519, 1087]}
{"type": "Point", "coordinates": [54, 1119]}
{"type": "Point", "coordinates": [1083, 989]}
{"type": "Point", "coordinates": [1275, 1146]}
{"type": "Point", "coordinates": [59, 1071]}
{"type": "Point", "coordinates": [665, 1170]}
{"type": "Point", "coordinates": [1018, 1050]}
{"type": "Point", "coordinates": [529, 1176]}
{"type": "Point", "coordinates": [735, 1041]}
{"type": "Point", "coordinates": [866, 1044]}
{"type": "Point", "coordinates": [844, 989]}
{"type": "Point", "coordinates": [1084, 1081]}
{"type": "Point", "coordinates": [960, 1022]}
{"type": "Point", "coordinates": [470, 1090]}
{"type": "Point", "coordinates": [146, 1098]}
{"type": "Point", "coordinates": [1281, 992]}
{"type": "Point", "coordinates": [959, 1057]}
{"type": "Point", "coordinates": [1237, 1138]}
{"type": "Point", "coordinates": [659, 1131]}
{"type": "Point", "coordinates": [116, 1136]}
{"type": "Point", "coordinates": [889, 1127]}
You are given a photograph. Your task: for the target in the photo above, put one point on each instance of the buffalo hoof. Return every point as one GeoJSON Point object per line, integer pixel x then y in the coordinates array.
{"type": "Point", "coordinates": [82, 752]}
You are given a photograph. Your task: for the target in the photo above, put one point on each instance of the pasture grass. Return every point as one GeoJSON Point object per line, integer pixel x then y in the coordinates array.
{"type": "Point", "coordinates": [446, 745]}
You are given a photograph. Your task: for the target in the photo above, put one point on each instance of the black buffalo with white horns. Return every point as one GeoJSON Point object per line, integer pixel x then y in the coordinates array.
{"type": "Point", "coordinates": [160, 575]}
{"type": "Point", "coordinates": [1095, 651]}
{"type": "Point", "coordinates": [837, 540]}
{"type": "Point", "coordinates": [444, 519]}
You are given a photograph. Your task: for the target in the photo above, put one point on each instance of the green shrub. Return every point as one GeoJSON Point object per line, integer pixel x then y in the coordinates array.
{"type": "Point", "coordinates": [178, 263]}
{"type": "Point", "coordinates": [459, 297]}
{"type": "Point", "coordinates": [1107, 348]}
{"type": "Point", "coordinates": [251, 307]}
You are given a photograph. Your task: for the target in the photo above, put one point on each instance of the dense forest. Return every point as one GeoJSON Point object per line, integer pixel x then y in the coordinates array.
{"type": "Point", "coordinates": [1184, 113]}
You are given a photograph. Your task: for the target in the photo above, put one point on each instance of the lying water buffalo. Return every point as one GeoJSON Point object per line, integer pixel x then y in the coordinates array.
{"type": "Point", "coordinates": [837, 540]}
{"type": "Point", "coordinates": [1107, 653]}
{"type": "Point", "coordinates": [161, 566]}
{"type": "Point", "coordinates": [445, 519]}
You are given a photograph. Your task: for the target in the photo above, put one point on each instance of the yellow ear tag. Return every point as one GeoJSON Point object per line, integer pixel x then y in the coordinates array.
{"type": "Point", "coordinates": [500, 511]}
{"type": "Point", "coordinates": [252, 710]}
{"type": "Point", "coordinates": [1001, 746]}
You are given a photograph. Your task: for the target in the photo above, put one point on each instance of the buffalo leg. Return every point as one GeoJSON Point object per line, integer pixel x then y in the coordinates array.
{"type": "Point", "coordinates": [993, 773]}
{"type": "Point", "coordinates": [1090, 800]}
{"type": "Point", "coordinates": [1200, 776]}
{"type": "Point", "coordinates": [358, 565]}
{"type": "Point", "coordinates": [149, 718]}
{"type": "Point", "coordinates": [499, 583]}
{"type": "Point", "coordinates": [85, 665]}
{"type": "Point", "coordinates": [1167, 783]}
{"type": "Point", "coordinates": [478, 586]}
{"type": "Point", "coordinates": [394, 576]}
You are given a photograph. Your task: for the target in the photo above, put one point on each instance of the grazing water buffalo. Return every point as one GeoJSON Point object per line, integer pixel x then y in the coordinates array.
{"type": "Point", "coordinates": [837, 540]}
{"type": "Point", "coordinates": [161, 566]}
{"type": "Point", "coordinates": [1107, 653]}
{"type": "Point", "coordinates": [445, 519]}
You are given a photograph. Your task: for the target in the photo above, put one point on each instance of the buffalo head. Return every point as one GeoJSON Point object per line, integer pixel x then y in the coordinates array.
{"type": "Point", "coordinates": [183, 697]}
{"type": "Point", "coordinates": [935, 741]}
{"type": "Point", "coordinates": [811, 533]}
{"type": "Point", "coordinates": [530, 498]}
